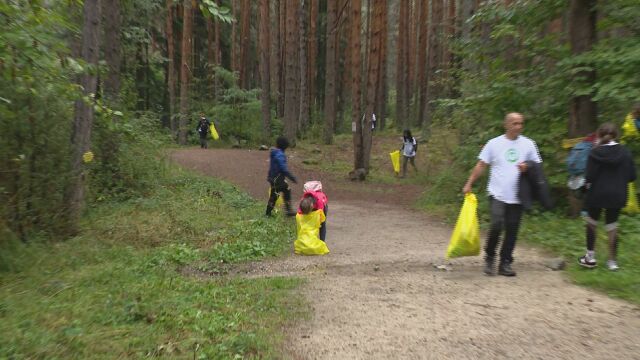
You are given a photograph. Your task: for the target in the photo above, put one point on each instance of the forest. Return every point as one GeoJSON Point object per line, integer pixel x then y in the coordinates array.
{"type": "Point", "coordinates": [113, 74]}
{"type": "Point", "coordinates": [94, 95]}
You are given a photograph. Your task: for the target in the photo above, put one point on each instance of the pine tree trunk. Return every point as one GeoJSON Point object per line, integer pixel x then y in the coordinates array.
{"type": "Point", "coordinates": [211, 57]}
{"type": "Point", "coordinates": [381, 102]}
{"type": "Point", "coordinates": [304, 88]}
{"type": "Point", "coordinates": [582, 35]}
{"type": "Point", "coordinates": [245, 44]}
{"type": "Point", "coordinates": [402, 67]}
{"type": "Point", "coordinates": [372, 77]}
{"type": "Point", "coordinates": [275, 53]}
{"type": "Point", "coordinates": [235, 52]}
{"type": "Point", "coordinates": [356, 94]}
{"type": "Point", "coordinates": [331, 73]}
{"type": "Point", "coordinates": [422, 59]}
{"type": "Point", "coordinates": [265, 96]}
{"type": "Point", "coordinates": [185, 70]}
{"type": "Point", "coordinates": [290, 94]}
{"type": "Point", "coordinates": [171, 68]}
{"type": "Point", "coordinates": [283, 59]}
{"type": "Point", "coordinates": [312, 72]}
{"type": "Point", "coordinates": [83, 112]}
{"type": "Point", "coordinates": [112, 52]}
{"type": "Point", "coordinates": [434, 56]}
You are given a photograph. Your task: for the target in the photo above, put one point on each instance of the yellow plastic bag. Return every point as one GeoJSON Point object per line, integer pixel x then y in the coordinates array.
{"type": "Point", "coordinates": [632, 201]}
{"type": "Point", "coordinates": [214, 132]}
{"type": "Point", "coordinates": [629, 130]}
{"type": "Point", "coordinates": [395, 160]}
{"type": "Point", "coordinates": [308, 241]}
{"type": "Point", "coordinates": [279, 201]}
{"type": "Point", "coordinates": [465, 240]}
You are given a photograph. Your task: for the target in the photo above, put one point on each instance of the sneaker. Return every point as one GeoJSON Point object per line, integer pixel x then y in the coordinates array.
{"type": "Point", "coordinates": [588, 262]}
{"type": "Point", "coordinates": [505, 270]}
{"type": "Point", "coordinates": [612, 265]}
{"type": "Point", "coordinates": [489, 268]}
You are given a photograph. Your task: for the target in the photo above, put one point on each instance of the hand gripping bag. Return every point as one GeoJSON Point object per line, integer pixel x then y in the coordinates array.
{"type": "Point", "coordinates": [632, 201]}
{"type": "Point", "coordinates": [465, 240]}
{"type": "Point", "coordinates": [395, 161]}
{"type": "Point", "coordinates": [279, 201]}
{"type": "Point", "coordinates": [308, 241]}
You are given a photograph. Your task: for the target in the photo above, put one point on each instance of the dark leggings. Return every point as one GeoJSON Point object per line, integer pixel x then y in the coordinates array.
{"type": "Point", "coordinates": [278, 185]}
{"type": "Point", "coordinates": [611, 224]}
{"type": "Point", "coordinates": [323, 226]}
{"type": "Point", "coordinates": [503, 216]}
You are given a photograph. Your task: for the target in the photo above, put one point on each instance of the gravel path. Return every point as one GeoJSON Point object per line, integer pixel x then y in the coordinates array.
{"type": "Point", "coordinates": [378, 294]}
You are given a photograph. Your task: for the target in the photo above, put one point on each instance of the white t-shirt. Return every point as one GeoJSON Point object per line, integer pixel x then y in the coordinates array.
{"type": "Point", "coordinates": [504, 155]}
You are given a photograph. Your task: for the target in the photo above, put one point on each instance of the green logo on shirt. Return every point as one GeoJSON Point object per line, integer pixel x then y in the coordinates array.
{"type": "Point", "coordinates": [511, 155]}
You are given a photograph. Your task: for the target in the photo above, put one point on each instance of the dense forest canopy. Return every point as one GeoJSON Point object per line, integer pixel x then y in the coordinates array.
{"type": "Point", "coordinates": [89, 90]}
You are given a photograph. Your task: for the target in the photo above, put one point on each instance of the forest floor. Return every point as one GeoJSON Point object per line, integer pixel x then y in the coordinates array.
{"type": "Point", "coordinates": [379, 294]}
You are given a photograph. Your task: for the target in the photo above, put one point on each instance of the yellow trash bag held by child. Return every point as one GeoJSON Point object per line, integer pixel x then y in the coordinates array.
{"type": "Point", "coordinates": [279, 201]}
{"type": "Point", "coordinates": [395, 160]}
{"type": "Point", "coordinates": [214, 132]}
{"type": "Point", "coordinates": [632, 201]}
{"type": "Point", "coordinates": [308, 241]}
{"type": "Point", "coordinates": [465, 240]}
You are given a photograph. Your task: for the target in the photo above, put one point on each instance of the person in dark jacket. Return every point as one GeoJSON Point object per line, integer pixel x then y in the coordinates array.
{"type": "Point", "coordinates": [203, 130]}
{"type": "Point", "coordinates": [610, 169]}
{"type": "Point", "coordinates": [278, 171]}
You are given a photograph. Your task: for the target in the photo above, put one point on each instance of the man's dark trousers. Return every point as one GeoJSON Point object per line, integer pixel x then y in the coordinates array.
{"type": "Point", "coordinates": [505, 216]}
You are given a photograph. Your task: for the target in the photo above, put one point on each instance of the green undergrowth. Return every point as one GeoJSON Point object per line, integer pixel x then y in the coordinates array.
{"type": "Point", "coordinates": [138, 282]}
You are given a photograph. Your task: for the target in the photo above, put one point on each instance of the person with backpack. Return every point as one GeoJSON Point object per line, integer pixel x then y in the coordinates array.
{"type": "Point", "coordinates": [203, 131]}
{"type": "Point", "coordinates": [610, 169]}
{"type": "Point", "coordinates": [577, 164]}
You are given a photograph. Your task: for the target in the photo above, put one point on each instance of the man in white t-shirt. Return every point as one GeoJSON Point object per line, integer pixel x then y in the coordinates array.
{"type": "Point", "coordinates": [506, 154]}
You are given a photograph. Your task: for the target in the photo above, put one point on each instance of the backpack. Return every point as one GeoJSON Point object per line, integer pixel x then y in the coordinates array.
{"type": "Point", "coordinates": [577, 159]}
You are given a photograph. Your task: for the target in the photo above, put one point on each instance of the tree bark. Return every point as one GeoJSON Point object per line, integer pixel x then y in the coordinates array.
{"type": "Point", "coordinates": [235, 52]}
{"type": "Point", "coordinates": [434, 58]}
{"type": "Point", "coordinates": [422, 60]}
{"type": "Point", "coordinates": [265, 25]}
{"type": "Point", "coordinates": [582, 35]}
{"type": "Point", "coordinates": [314, 9]}
{"type": "Point", "coordinates": [356, 94]}
{"type": "Point", "coordinates": [290, 94]}
{"type": "Point", "coordinates": [283, 59]}
{"type": "Point", "coordinates": [112, 52]}
{"type": "Point", "coordinates": [304, 88]}
{"type": "Point", "coordinates": [381, 102]}
{"type": "Point", "coordinates": [185, 70]}
{"type": "Point", "coordinates": [402, 66]}
{"type": "Point", "coordinates": [171, 68]}
{"type": "Point", "coordinates": [372, 77]}
{"type": "Point", "coordinates": [245, 44]}
{"type": "Point", "coordinates": [330, 78]}
{"type": "Point", "coordinates": [83, 111]}
{"type": "Point", "coordinates": [211, 57]}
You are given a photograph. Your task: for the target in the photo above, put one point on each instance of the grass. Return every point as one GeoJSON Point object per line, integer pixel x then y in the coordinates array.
{"type": "Point", "coordinates": [121, 289]}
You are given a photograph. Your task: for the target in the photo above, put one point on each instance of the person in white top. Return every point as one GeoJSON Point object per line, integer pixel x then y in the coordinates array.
{"type": "Point", "coordinates": [506, 155]}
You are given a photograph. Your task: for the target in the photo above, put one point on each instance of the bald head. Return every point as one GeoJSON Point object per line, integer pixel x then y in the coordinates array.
{"type": "Point", "coordinates": [513, 125]}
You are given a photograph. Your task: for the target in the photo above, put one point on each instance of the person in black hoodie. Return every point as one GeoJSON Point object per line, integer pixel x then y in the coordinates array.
{"type": "Point", "coordinates": [610, 169]}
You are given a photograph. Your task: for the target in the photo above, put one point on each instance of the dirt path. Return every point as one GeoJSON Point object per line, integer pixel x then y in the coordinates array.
{"type": "Point", "coordinates": [377, 295]}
